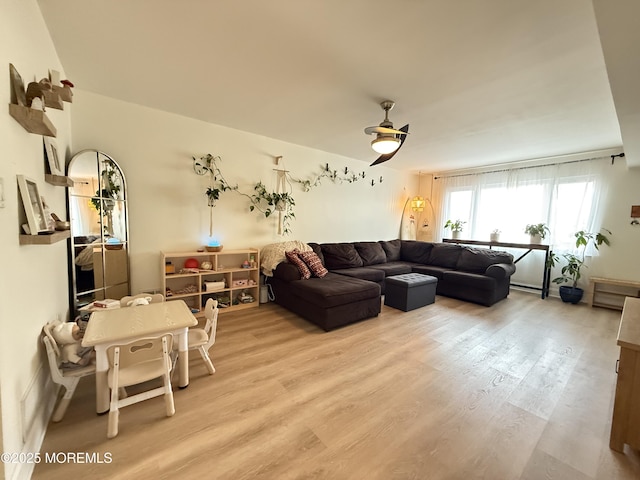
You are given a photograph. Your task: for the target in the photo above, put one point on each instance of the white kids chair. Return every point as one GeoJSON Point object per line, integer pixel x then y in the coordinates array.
{"type": "Point", "coordinates": [138, 362]}
{"type": "Point", "coordinates": [68, 378]}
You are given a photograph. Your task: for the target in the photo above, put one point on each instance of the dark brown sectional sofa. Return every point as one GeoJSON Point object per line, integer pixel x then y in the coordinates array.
{"type": "Point", "coordinates": [351, 290]}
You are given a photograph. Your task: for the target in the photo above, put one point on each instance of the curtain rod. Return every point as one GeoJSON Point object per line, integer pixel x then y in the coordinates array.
{"type": "Point", "coordinates": [528, 167]}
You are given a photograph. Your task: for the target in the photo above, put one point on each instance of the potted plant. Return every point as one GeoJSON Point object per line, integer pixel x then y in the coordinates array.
{"type": "Point", "coordinates": [207, 164]}
{"type": "Point", "coordinates": [494, 236]}
{"type": "Point", "coordinates": [570, 273]}
{"type": "Point", "coordinates": [105, 197]}
{"type": "Point", "coordinates": [537, 232]}
{"type": "Point", "coordinates": [270, 202]}
{"type": "Point", "coordinates": [456, 227]}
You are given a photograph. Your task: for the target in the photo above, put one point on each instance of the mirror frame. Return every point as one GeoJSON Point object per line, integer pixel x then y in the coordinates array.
{"type": "Point", "coordinates": [97, 292]}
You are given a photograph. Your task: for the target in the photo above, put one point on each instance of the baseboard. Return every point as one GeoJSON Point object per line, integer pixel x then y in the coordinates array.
{"type": "Point", "coordinates": [36, 407]}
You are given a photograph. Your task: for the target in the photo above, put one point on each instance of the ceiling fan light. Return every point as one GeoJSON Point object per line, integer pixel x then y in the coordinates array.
{"type": "Point", "coordinates": [385, 145]}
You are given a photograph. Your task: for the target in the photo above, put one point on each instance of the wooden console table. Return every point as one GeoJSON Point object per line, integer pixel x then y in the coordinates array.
{"type": "Point", "coordinates": [625, 425]}
{"type": "Point", "coordinates": [546, 272]}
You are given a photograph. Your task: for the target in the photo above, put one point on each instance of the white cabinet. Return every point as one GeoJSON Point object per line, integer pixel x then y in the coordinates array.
{"type": "Point", "coordinates": [230, 276]}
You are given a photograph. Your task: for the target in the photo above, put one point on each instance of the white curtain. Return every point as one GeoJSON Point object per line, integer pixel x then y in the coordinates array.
{"type": "Point", "coordinates": [84, 216]}
{"type": "Point", "coordinates": [564, 196]}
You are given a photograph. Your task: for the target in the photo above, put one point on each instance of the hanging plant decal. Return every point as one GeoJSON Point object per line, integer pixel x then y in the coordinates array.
{"type": "Point", "coordinates": [281, 201]}
{"type": "Point", "coordinates": [217, 183]}
{"type": "Point", "coordinates": [327, 172]}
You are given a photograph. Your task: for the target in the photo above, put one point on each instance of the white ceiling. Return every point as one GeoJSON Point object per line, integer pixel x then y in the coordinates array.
{"type": "Point", "coordinates": [479, 81]}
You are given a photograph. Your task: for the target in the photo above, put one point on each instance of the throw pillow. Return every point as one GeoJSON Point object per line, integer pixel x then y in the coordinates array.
{"type": "Point", "coordinates": [340, 255]}
{"type": "Point", "coordinates": [293, 257]}
{"type": "Point", "coordinates": [313, 262]}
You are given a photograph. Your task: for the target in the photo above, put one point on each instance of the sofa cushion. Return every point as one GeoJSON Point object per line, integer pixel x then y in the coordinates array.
{"type": "Point", "coordinates": [414, 251]}
{"type": "Point", "coordinates": [393, 268]}
{"type": "Point", "coordinates": [334, 290]}
{"type": "Point", "coordinates": [476, 260]}
{"type": "Point", "coordinates": [432, 270]}
{"type": "Point", "coordinates": [364, 273]}
{"type": "Point", "coordinates": [466, 280]}
{"type": "Point", "coordinates": [444, 255]}
{"type": "Point", "coordinates": [371, 253]}
{"type": "Point", "coordinates": [391, 249]}
{"type": "Point", "coordinates": [340, 255]}
{"type": "Point", "coordinates": [294, 258]}
{"type": "Point", "coordinates": [313, 262]}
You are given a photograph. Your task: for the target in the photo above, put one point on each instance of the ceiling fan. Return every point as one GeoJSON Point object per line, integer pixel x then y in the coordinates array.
{"type": "Point", "coordinates": [388, 140]}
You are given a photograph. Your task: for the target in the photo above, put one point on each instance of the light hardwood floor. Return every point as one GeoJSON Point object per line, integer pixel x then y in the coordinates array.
{"type": "Point", "coordinates": [520, 390]}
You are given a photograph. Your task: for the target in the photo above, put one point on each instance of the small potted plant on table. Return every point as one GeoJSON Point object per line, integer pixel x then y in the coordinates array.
{"type": "Point", "coordinates": [570, 273]}
{"type": "Point", "coordinates": [494, 236]}
{"type": "Point", "coordinates": [537, 232]}
{"type": "Point", "coordinates": [456, 227]}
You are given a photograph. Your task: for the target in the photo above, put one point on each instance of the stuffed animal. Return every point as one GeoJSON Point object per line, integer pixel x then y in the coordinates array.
{"type": "Point", "coordinates": [139, 301]}
{"type": "Point", "coordinates": [35, 91]}
{"type": "Point", "coordinates": [68, 336]}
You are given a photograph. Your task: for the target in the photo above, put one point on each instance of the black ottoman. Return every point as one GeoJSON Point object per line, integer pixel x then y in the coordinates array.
{"type": "Point", "coordinates": [410, 291]}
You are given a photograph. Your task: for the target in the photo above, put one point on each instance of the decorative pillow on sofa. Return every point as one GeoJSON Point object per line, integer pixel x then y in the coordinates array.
{"type": "Point", "coordinates": [340, 255]}
{"type": "Point", "coordinates": [318, 249]}
{"type": "Point", "coordinates": [293, 256]}
{"type": "Point", "coordinates": [313, 262]}
{"type": "Point", "coordinates": [371, 253]}
{"type": "Point", "coordinates": [392, 249]}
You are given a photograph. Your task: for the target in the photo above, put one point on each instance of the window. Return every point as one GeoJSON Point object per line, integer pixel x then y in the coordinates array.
{"type": "Point", "coordinates": [563, 196]}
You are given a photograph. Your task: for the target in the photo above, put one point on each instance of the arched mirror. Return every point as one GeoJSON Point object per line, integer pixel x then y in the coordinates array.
{"type": "Point", "coordinates": [97, 203]}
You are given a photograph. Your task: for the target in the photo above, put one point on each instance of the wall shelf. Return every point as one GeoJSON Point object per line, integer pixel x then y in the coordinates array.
{"type": "Point", "coordinates": [53, 100]}
{"type": "Point", "coordinates": [58, 180]}
{"type": "Point", "coordinates": [65, 93]}
{"type": "Point", "coordinates": [55, 237]}
{"type": "Point", "coordinates": [33, 121]}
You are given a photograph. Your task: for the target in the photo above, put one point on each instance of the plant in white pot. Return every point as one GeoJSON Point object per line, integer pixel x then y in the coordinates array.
{"type": "Point", "coordinates": [494, 236]}
{"type": "Point", "coordinates": [537, 232]}
{"type": "Point", "coordinates": [455, 226]}
{"type": "Point", "coordinates": [271, 202]}
{"type": "Point", "coordinates": [570, 273]}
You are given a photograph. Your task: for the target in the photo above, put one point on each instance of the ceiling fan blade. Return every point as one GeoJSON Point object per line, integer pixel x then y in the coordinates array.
{"type": "Point", "coordinates": [372, 130]}
{"type": "Point", "coordinates": [389, 156]}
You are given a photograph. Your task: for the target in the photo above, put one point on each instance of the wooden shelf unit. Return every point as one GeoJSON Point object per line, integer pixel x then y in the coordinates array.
{"type": "Point", "coordinates": [226, 267]}
{"type": "Point", "coordinates": [33, 121]}
{"type": "Point", "coordinates": [44, 239]}
{"type": "Point", "coordinates": [611, 293]}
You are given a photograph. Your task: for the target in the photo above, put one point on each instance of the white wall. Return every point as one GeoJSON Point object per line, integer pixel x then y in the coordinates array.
{"type": "Point", "coordinates": [621, 260]}
{"type": "Point", "coordinates": [33, 289]}
{"type": "Point", "coordinates": [168, 208]}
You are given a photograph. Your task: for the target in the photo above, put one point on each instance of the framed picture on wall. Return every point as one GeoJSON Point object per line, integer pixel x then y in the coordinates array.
{"type": "Point", "coordinates": [51, 149]}
{"type": "Point", "coordinates": [18, 94]}
{"type": "Point", "coordinates": [32, 205]}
